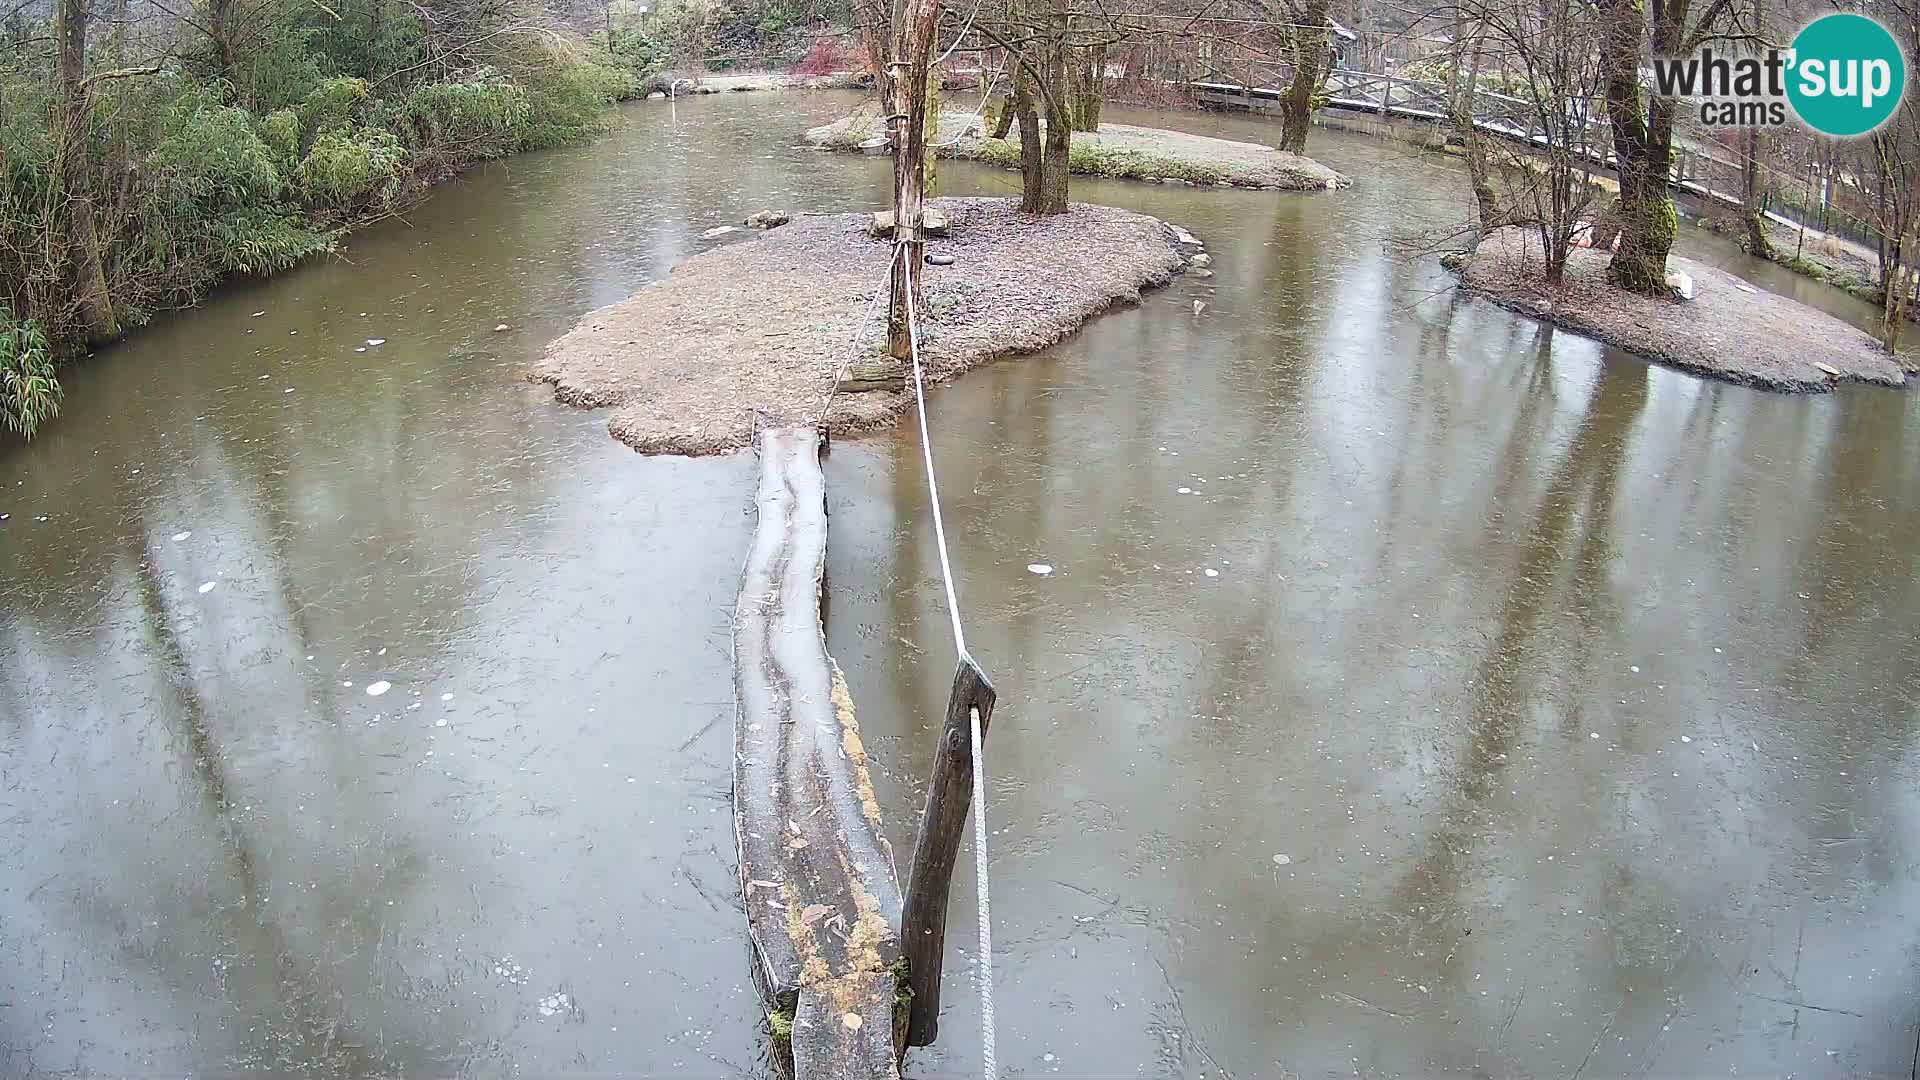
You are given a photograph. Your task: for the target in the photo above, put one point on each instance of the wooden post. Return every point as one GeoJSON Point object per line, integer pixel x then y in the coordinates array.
{"type": "Point", "coordinates": [923, 921]}
{"type": "Point", "coordinates": [912, 55]}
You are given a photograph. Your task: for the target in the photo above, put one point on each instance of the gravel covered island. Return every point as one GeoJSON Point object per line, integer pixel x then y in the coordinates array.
{"type": "Point", "coordinates": [1117, 151]}
{"type": "Point", "coordinates": [757, 332]}
{"type": "Point", "coordinates": [1729, 330]}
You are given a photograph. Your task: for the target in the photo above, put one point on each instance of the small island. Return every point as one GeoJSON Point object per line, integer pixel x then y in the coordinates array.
{"type": "Point", "coordinates": [764, 331]}
{"type": "Point", "coordinates": [1729, 330]}
{"type": "Point", "coordinates": [1115, 151]}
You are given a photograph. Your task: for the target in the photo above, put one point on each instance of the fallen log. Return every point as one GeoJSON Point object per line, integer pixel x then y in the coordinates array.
{"type": "Point", "coordinates": [816, 873]}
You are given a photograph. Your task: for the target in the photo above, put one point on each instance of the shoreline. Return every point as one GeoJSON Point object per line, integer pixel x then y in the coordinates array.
{"type": "Point", "coordinates": [1730, 331]}
{"type": "Point", "coordinates": [694, 364]}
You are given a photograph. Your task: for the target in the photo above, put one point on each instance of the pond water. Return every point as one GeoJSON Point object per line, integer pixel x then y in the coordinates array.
{"type": "Point", "coordinates": [1488, 703]}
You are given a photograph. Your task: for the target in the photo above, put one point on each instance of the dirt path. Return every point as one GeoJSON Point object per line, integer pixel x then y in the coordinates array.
{"type": "Point", "coordinates": [755, 332]}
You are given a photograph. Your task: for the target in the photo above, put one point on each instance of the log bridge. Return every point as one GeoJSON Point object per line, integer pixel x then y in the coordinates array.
{"type": "Point", "coordinates": [816, 872]}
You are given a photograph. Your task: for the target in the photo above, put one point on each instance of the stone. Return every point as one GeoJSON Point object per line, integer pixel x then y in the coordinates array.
{"type": "Point", "coordinates": [1202, 272]}
{"type": "Point", "coordinates": [939, 258]}
{"type": "Point", "coordinates": [933, 222]}
{"type": "Point", "coordinates": [657, 95]}
{"type": "Point", "coordinates": [768, 219]}
{"type": "Point", "coordinates": [1202, 259]}
{"type": "Point", "coordinates": [881, 373]}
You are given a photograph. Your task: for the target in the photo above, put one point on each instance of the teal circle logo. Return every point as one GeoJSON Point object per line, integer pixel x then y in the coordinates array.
{"type": "Point", "coordinates": [1848, 75]}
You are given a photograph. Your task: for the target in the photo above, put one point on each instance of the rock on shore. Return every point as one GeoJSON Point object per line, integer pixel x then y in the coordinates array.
{"type": "Point", "coordinates": [755, 333]}
{"type": "Point", "coordinates": [1727, 331]}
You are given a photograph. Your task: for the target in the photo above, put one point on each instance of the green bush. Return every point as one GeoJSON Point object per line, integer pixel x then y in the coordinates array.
{"type": "Point", "coordinates": [213, 157]}
{"type": "Point", "coordinates": [264, 241]}
{"type": "Point", "coordinates": [471, 120]}
{"type": "Point", "coordinates": [352, 169]}
{"type": "Point", "coordinates": [29, 394]}
{"type": "Point", "coordinates": [335, 103]}
{"type": "Point", "coordinates": [280, 131]}
{"type": "Point", "coordinates": [567, 99]}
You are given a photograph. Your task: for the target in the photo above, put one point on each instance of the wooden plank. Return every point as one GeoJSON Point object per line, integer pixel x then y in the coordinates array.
{"type": "Point", "coordinates": [816, 873]}
{"type": "Point", "coordinates": [937, 845]}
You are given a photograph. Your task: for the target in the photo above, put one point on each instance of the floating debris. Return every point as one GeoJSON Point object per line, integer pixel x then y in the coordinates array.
{"type": "Point", "coordinates": [1283, 860]}
{"type": "Point", "coordinates": [1043, 569]}
{"type": "Point", "coordinates": [719, 230]}
{"type": "Point", "coordinates": [375, 689]}
{"type": "Point", "coordinates": [448, 696]}
{"type": "Point", "coordinates": [256, 314]}
{"type": "Point", "coordinates": [1211, 572]}
{"type": "Point", "coordinates": [442, 722]}
{"type": "Point", "coordinates": [207, 586]}
{"type": "Point", "coordinates": [177, 537]}
{"type": "Point", "coordinates": [376, 341]}
{"type": "Point", "coordinates": [502, 328]}
{"type": "Point", "coordinates": [1183, 491]}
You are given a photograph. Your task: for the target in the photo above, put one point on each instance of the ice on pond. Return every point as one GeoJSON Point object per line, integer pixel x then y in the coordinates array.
{"type": "Point", "coordinates": [448, 696]}
{"type": "Point", "coordinates": [555, 1004]}
{"type": "Point", "coordinates": [1686, 738]}
{"type": "Point", "coordinates": [442, 722]}
{"type": "Point", "coordinates": [206, 586]}
{"type": "Point", "coordinates": [375, 689]}
{"type": "Point", "coordinates": [179, 536]}
{"type": "Point", "coordinates": [1040, 568]}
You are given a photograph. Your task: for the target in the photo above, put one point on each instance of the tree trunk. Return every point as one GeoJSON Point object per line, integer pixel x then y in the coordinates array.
{"type": "Point", "coordinates": [1460, 98]}
{"type": "Point", "coordinates": [1089, 87]}
{"type": "Point", "coordinates": [1057, 95]}
{"type": "Point", "coordinates": [1032, 161]}
{"type": "Point", "coordinates": [86, 272]}
{"type": "Point", "coordinates": [220, 29]}
{"type": "Point", "coordinates": [1310, 62]}
{"type": "Point", "coordinates": [1000, 115]}
{"type": "Point", "coordinates": [1753, 198]}
{"type": "Point", "coordinates": [912, 51]}
{"type": "Point", "coordinates": [1643, 152]}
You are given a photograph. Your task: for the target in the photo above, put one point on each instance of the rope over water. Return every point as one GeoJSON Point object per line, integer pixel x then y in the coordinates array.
{"type": "Point", "coordinates": [988, 1067]}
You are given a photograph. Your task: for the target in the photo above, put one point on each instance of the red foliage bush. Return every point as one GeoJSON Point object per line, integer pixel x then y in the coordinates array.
{"type": "Point", "coordinates": [823, 58]}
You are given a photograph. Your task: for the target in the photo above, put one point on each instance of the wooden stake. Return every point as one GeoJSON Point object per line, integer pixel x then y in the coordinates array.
{"type": "Point", "coordinates": [923, 923]}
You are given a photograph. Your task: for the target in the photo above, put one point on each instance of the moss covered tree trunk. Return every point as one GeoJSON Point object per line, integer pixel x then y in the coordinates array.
{"type": "Point", "coordinates": [1311, 37]}
{"type": "Point", "coordinates": [86, 272]}
{"type": "Point", "coordinates": [1032, 158]}
{"type": "Point", "coordinates": [1057, 95]}
{"type": "Point", "coordinates": [1753, 197]}
{"type": "Point", "coordinates": [1643, 153]}
{"type": "Point", "coordinates": [1089, 87]}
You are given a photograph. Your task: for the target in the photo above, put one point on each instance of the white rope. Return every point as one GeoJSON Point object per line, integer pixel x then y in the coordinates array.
{"type": "Point", "coordinates": [989, 1068]}
{"type": "Point", "coordinates": [853, 344]}
{"type": "Point", "coordinates": [978, 112]}
{"type": "Point", "coordinates": [933, 485]}
{"type": "Point", "coordinates": [964, 31]}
